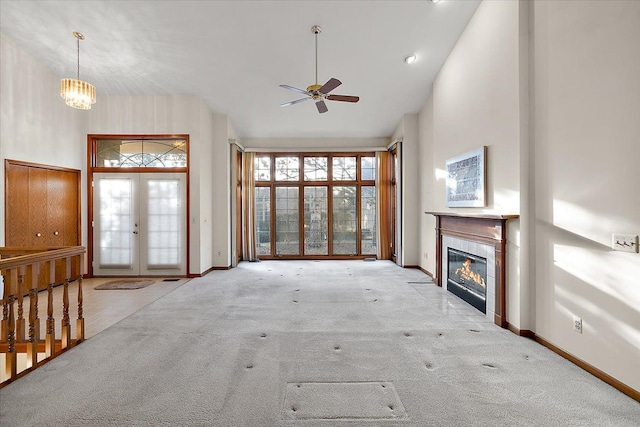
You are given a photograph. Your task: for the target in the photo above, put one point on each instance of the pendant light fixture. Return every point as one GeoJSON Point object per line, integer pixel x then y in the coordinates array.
{"type": "Point", "coordinates": [76, 93]}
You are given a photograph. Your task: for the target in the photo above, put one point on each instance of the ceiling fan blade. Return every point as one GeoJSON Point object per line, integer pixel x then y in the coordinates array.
{"type": "Point", "coordinates": [343, 98]}
{"type": "Point", "coordinates": [322, 107]}
{"type": "Point", "coordinates": [295, 89]}
{"type": "Point", "coordinates": [286, 104]}
{"type": "Point", "coordinates": [330, 85]}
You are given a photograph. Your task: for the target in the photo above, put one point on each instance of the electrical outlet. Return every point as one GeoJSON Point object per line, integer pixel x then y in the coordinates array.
{"type": "Point", "coordinates": [624, 242]}
{"type": "Point", "coordinates": [577, 324]}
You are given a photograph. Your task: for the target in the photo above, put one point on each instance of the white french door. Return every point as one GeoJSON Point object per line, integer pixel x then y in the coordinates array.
{"type": "Point", "coordinates": [139, 224]}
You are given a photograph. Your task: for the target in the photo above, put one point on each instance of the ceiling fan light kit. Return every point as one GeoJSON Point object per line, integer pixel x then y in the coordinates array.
{"type": "Point", "coordinates": [318, 93]}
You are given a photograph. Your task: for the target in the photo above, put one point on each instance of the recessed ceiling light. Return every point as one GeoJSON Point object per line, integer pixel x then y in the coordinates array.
{"type": "Point", "coordinates": [410, 59]}
{"type": "Point", "coordinates": [435, 1]}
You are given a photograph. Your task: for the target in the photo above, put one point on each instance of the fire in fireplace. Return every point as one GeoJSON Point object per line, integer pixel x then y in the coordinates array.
{"type": "Point", "coordinates": [467, 277]}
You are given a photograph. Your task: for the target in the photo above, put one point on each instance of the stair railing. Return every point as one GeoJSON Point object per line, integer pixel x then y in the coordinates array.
{"type": "Point", "coordinates": [23, 270]}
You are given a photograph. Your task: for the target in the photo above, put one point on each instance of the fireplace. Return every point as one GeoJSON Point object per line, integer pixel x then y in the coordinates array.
{"type": "Point", "coordinates": [467, 277]}
{"type": "Point", "coordinates": [482, 239]}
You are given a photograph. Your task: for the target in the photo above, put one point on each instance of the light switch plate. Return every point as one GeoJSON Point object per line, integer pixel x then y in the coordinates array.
{"type": "Point", "coordinates": [625, 242]}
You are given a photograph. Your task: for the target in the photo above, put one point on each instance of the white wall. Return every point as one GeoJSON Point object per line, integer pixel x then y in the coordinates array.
{"type": "Point", "coordinates": [552, 89]}
{"type": "Point", "coordinates": [35, 123]}
{"type": "Point", "coordinates": [37, 126]}
{"type": "Point", "coordinates": [586, 90]}
{"type": "Point", "coordinates": [315, 144]}
{"type": "Point", "coordinates": [426, 188]}
{"type": "Point", "coordinates": [221, 192]}
{"type": "Point", "coordinates": [407, 130]}
{"type": "Point", "coordinates": [170, 114]}
{"type": "Point", "coordinates": [232, 135]}
{"type": "Point", "coordinates": [204, 183]}
{"type": "Point", "coordinates": [476, 102]}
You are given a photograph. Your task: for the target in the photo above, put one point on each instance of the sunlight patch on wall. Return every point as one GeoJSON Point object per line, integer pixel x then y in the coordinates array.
{"type": "Point", "coordinates": [598, 321]}
{"type": "Point", "coordinates": [441, 175]}
{"type": "Point", "coordinates": [586, 223]}
{"type": "Point", "coordinates": [612, 273]}
{"type": "Point", "coordinates": [630, 332]}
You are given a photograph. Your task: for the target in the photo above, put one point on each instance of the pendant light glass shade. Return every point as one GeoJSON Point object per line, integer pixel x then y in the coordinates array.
{"type": "Point", "coordinates": [75, 92]}
{"type": "Point", "coordinates": [78, 94]}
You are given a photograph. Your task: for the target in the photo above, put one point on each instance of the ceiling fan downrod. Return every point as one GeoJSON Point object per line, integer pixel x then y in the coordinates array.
{"type": "Point", "coordinates": [316, 30]}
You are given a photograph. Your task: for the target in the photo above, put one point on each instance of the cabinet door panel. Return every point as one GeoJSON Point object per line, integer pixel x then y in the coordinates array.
{"type": "Point", "coordinates": [38, 221]}
{"type": "Point", "coordinates": [17, 206]}
{"type": "Point", "coordinates": [56, 199]}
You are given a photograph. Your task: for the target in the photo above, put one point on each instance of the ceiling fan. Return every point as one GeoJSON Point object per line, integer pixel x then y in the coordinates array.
{"type": "Point", "coordinates": [317, 92]}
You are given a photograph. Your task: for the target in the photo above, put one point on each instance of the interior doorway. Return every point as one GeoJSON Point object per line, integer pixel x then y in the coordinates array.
{"type": "Point", "coordinates": [139, 224]}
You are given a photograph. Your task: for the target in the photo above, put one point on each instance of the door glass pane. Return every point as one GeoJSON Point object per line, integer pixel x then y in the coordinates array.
{"type": "Point", "coordinates": [344, 220]}
{"type": "Point", "coordinates": [344, 168]}
{"type": "Point", "coordinates": [287, 168]}
{"type": "Point", "coordinates": [263, 220]}
{"type": "Point", "coordinates": [116, 210]}
{"type": "Point", "coordinates": [262, 168]}
{"type": "Point", "coordinates": [368, 168]}
{"type": "Point", "coordinates": [315, 168]}
{"type": "Point", "coordinates": [163, 223]}
{"type": "Point", "coordinates": [315, 221]}
{"type": "Point", "coordinates": [368, 219]}
{"type": "Point", "coordinates": [287, 221]}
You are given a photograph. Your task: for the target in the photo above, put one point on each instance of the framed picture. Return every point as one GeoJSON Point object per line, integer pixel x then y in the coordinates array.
{"type": "Point", "coordinates": [466, 179]}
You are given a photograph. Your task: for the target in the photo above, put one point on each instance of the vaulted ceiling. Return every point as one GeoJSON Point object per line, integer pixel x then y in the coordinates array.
{"type": "Point", "coordinates": [235, 54]}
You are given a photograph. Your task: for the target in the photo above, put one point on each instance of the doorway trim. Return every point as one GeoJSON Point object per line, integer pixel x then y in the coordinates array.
{"type": "Point", "coordinates": [92, 168]}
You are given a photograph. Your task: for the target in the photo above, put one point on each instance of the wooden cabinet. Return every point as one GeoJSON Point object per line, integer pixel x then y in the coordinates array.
{"type": "Point", "coordinates": [42, 208]}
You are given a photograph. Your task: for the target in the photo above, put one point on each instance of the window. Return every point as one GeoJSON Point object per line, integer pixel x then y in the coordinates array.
{"type": "Point", "coordinates": [315, 168]}
{"type": "Point", "coordinates": [287, 168]}
{"type": "Point", "coordinates": [263, 169]}
{"type": "Point", "coordinates": [287, 221]}
{"type": "Point", "coordinates": [141, 153]}
{"type": "Point", "coordinates": [263, 220]}
{"type": "Point", "coordinates": [344, 168]}
{"type": "Point", "coordinates": [368, 168]}
{"type": "Point", "coordinates": [315, 205]}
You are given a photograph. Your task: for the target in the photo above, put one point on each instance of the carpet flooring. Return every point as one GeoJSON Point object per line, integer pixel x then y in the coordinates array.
{"type": "Point", "coordinates": [304, 343]}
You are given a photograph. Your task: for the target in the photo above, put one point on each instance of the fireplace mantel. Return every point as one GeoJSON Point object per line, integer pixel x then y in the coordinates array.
{"type": "Point", "coordinates": [488, 229]}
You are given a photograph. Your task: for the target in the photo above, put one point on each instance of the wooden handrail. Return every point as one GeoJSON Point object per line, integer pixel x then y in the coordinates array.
{"type": "Point", "coordinates": [21, 270]}
{"type": "Point", "coordinates": [25, 256]}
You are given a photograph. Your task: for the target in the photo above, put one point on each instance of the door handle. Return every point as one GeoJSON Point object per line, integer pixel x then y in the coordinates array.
{"type": "Point", "coordinates": [38, 234]}
{"type": "Point", "coordinates": [56, 233]}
